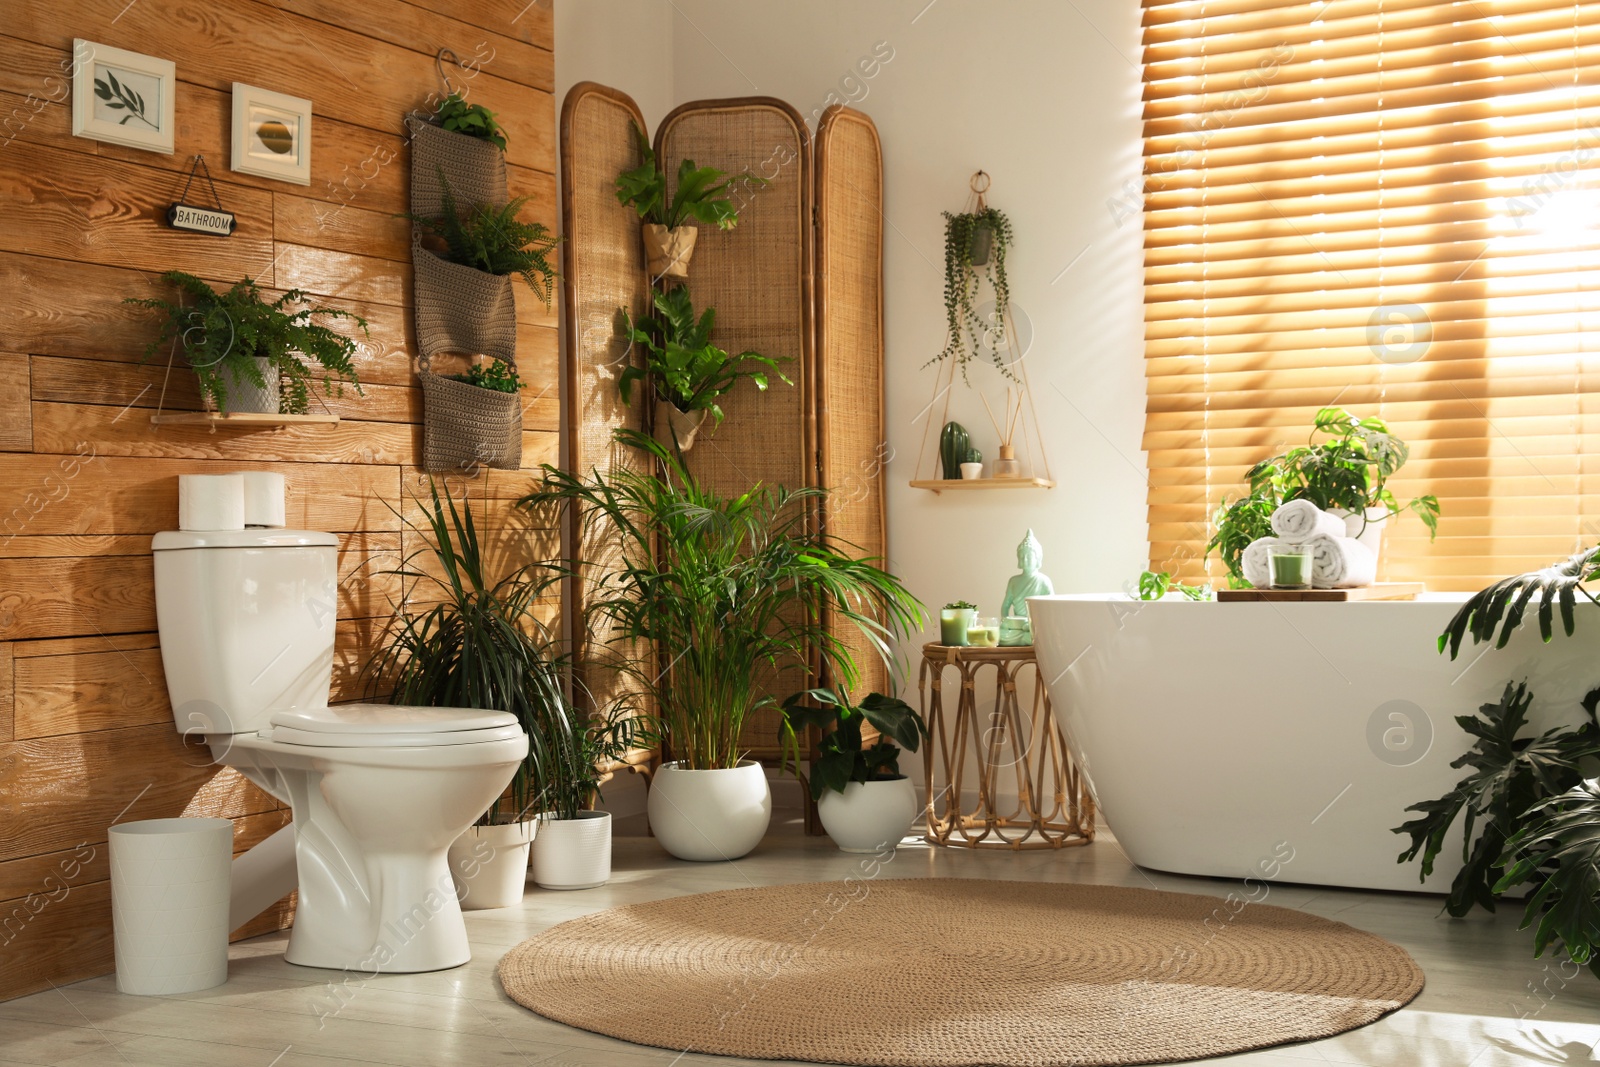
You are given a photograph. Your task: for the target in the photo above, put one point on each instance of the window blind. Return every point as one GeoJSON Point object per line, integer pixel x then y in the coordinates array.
{"type": "Point", "coordinates": [1390, 206]}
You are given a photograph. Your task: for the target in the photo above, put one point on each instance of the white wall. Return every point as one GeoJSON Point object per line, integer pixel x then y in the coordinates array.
{"type": "Point", "coordinates": [1042, 94]}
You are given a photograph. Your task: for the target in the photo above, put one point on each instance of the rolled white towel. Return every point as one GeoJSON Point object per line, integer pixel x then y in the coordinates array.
{"type": "Point", "coordinates": [1341, 563]}
{"type": "Point", "coordinates": [1253, 561]}
{"type": "Point", "coordinates": [1299, 521]}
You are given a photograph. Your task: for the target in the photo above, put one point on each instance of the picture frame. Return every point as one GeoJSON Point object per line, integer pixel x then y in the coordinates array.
{"type": "Point", "coordinates": [271, 134]}
{"type": "Point", "coordinates": [123, 97]}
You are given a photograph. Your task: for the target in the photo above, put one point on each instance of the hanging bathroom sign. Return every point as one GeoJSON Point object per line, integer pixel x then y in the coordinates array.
{"type": "Point", "coordinates": [213, 221]}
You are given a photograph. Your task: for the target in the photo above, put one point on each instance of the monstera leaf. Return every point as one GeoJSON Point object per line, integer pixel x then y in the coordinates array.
{"type": "Point", "coordinates": [1505, 603]}
{"type": "Point", "coordinates": [1564, 833]}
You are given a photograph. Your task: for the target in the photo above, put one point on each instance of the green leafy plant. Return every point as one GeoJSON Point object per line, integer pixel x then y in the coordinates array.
{"type": "Point", "coordinates": [226, 332]}
{"type": "Point", "coordinates": [497, 375]}
{"type": "Point", "coordinates": [577, 757]}
{"type": "Point", "coordinates": [961, 605]}
{"type": "Point", "coordinates": [1518, 811]}
{"type": "Point", "coordinates": [724, 587]}
{"type": "Point", "coordinates": [700, 197]}
{"type": "Point", "coordinates": [478, 643]}
{"type": "Point", "coordinates": [967, 335]}
{"type": "Point", "coordinates": [682, 364]}
{"type": "Point", "coordinates": [1350, 470]}
{"type": "Point", "coordinates": [842, 756]}
{"type": "Point", "coordinates": [474, 120]}
{"type": "Point", "coordinates": [1504, 604]}
{"type": "Point", "coordinates": [1153, 585]}
{"type": "Point", "coordinates": [494, 240]}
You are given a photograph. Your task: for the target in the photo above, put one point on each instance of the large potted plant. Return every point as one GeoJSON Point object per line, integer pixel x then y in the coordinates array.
{"type": "Point", "coordinates": [865, 803]}
{"type": "Point", "coordinates": [1346, 474]}
{"type": "Point", "coordinates": [572, 849]}
{"type": "Point", "coordinates": [246, 351]}
{"type": "Point", "coordinates": [723, 588]}
{"type": "Point", "coordinates": [687, 373]}
{"type": "Point", "coordinates": [668, 230]}
{"type": "Point", "coordinates": [478, 643]}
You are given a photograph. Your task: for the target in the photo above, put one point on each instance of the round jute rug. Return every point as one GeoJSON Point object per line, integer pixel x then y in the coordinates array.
{"type": "Point", "coordinates": [945, 972]}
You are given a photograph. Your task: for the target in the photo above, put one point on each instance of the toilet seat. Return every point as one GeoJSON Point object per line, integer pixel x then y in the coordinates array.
{"type": "Point", "coordinates": [391, 726]}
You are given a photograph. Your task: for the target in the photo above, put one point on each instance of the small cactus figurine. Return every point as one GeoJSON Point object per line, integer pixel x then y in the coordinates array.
{"type": "Point", "coordinates": [953, 444]}
{"type": "Point", "coordinates": [973, 456]}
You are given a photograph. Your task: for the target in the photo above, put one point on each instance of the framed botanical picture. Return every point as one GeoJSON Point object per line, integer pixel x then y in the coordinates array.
{"type": "Point", "coordinates": [271, 134]}
{"type": "Point", "coordinates": [123, 97]}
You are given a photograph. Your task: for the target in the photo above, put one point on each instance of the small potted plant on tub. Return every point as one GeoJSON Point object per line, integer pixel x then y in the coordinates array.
{"type": "Point", "coordinates": [865, 803]}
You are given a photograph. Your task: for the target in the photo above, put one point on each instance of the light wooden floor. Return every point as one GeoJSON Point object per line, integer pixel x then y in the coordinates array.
{"type": "Point", "coordinates": [1480, 1007]}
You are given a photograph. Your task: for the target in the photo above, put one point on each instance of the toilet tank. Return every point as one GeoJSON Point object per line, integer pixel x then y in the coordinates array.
{"type": "Point", "coordinates": [247, 622]}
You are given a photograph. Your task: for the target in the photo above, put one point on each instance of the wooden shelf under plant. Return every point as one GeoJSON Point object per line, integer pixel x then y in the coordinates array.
{"type": "Point", "coordinates": [238, 419]}
{"type": "Point", "coordinates": [941, 484]}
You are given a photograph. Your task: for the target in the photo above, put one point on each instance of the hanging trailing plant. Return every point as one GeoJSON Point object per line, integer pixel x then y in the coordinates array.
{"type": "Point", "coordinates": [975, 246]}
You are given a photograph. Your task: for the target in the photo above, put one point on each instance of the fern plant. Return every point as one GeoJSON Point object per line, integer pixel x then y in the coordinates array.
{"type": "Point", "coordinates": [234, 331]}
{"type": "Point", "coordinates": [495, 240]}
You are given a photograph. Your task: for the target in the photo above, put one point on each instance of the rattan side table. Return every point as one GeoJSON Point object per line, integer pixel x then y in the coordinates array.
{"type": "Point", "coordinates": [1053, 808]}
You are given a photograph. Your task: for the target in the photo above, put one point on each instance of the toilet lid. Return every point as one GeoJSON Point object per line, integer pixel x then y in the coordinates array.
{"type": "Point", "coordinates": [391, 726]}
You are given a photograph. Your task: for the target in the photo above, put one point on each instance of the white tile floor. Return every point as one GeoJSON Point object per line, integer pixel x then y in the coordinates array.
{"type": "Point", "coordinates": [1487, 1003]}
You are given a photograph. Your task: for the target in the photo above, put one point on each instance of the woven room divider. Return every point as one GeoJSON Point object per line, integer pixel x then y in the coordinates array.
{"type": "Point", "coordinates": [773, 294]}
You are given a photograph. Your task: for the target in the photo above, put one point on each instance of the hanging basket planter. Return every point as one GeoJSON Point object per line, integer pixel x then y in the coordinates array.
{"type": "Point", "coordinates": [667, 252]}
{"type": "Point", "coordinates": [462, 309]}
{"type": "Point", "coordinates": [671, 423]}
{"type": "Point", "coordinates": [465, 426]}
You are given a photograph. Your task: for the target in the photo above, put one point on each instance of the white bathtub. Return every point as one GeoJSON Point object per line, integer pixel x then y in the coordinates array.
{"type": "Point", "coordinates": [1217, 736]}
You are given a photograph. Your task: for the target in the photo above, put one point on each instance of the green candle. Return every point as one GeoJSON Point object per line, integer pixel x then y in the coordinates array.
{"type": "Point", "coordinates": [1291, 567]}
{"type": "Point", "coordinates": [984, 633]}
{"type": "Point", "coordinates": [954, 623]}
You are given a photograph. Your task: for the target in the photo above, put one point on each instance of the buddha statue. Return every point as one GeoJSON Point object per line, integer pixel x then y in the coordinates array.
{"type": "Point", "coordinates": [1015, 626]}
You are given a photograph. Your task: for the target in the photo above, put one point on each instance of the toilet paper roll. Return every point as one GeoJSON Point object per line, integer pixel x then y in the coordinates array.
{"type": "Point", "coordinates": [210, 501]}
{"type": "Point", "coordinates": [263, 499]}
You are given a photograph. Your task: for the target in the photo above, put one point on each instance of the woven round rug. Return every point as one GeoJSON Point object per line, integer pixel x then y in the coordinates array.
{"type": "Point", "coordinates": [947, 972]}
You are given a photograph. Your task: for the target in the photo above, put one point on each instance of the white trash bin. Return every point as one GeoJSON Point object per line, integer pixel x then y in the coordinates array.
{"type": "Point", "coordinates": [169, 904]}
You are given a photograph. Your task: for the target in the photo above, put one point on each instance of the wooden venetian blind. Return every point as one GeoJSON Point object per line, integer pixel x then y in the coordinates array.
{"type": "Point", "coordinates": [1392, 207]}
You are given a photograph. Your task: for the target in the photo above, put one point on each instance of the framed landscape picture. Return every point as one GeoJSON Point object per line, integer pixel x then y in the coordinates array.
{"type": "Point", "coordinates": [271, 134]}
{"type": "Point", "coordinates": [123, 97]}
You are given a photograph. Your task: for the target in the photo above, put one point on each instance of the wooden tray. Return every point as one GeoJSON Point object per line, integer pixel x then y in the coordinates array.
{"type": "Point", "coordinates": [1378, 591]}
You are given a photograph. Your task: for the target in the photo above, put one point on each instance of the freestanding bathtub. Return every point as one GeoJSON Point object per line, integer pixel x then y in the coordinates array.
{"type": "Point", "coordinates": [1220, 738]}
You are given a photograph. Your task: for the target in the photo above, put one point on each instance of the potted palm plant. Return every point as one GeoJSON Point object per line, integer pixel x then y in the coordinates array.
{"type": "Point", "coordinates": [865, 803]}
{"type": "Point", "coordinates": [246, 351]}
{"type": "Point", "coordinates": [723, 588]}
{"type": "Point", "coordinates": [479, 644]}
{"type": "Point", "coordinates": [572, 849]}
{"type": "Point", "coordinates": [684, 369]}
{"type": "Point", "coordinates": [669, 233]}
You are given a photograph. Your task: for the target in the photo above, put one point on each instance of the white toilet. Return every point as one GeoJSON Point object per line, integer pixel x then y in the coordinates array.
{"type": "Point", "coordinates": [378, 792]}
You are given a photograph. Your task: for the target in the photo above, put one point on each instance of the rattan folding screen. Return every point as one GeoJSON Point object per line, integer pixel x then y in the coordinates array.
{"type": "Point", "coordinates": [800, 277]}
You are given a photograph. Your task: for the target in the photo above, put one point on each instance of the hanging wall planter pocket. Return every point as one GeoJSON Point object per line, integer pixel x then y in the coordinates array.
{"type": "Point", "coordinates": [667, 252]}
{"type": "Point", "coordinates": [461, 309]}
{"type": "Point", "coordinates": [466, 426]}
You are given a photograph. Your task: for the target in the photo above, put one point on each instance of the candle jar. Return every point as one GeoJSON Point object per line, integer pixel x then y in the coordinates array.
{"type": "Point", "coordinates": [1290, 566]}
{"type": "Point", "coordinates": [984, 632]}
{"type": "Point", "coordinates": [954, 624]}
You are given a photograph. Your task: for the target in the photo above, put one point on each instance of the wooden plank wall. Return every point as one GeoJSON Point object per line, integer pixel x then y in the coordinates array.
{"type": "Point", "coordinates": [86, 733]}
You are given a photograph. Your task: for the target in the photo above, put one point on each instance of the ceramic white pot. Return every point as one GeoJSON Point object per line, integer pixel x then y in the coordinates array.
{"type": "Point", "coordinates": [1368, 532]}
{"type": "Point", "coordinates": [489, 865]}
{"type": "Point", "coordinates": [573, 853]}
{"type": "Point", "coordinates": [970, 471]}
{"type": "Point", "coordinates": [246, 395]}
{"type": "Point", "coordinates": [869, 816]}
{"type": "Point", "coordinates": [710, 815]}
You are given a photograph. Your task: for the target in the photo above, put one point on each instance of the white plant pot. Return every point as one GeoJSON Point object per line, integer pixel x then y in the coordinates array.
{"type": "Point", "coordinates": [869, 816]}
{"type": "Point", "coordinates": [246, 395]}
{"type": "Point", "coordinates": [489, 865]}
{"type": "Point", "coordinates": [573, 853]}
{"type": "Point", "coordinates": [710, 815]}
{"type": "Point", "coordinates": [971, 471]}
{"type": "Point", "coordinates": [1368, 532]}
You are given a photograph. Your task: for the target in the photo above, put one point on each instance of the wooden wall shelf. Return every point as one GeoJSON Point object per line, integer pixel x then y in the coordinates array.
{"type": "Point", "coordinates": [941, 484]}
{"type": "Point", "coordinates": [238, 419]}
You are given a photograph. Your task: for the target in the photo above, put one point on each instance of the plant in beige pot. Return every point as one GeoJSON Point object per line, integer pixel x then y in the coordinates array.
{"type": "Point", "coordinates": [865, 803]}
{"type": "Point", "coordinates": [687, 372]}
{"type": "Point", "coordinates": [245, 349]}
{"type": "Point", "coordinates": [466, 640]}
{"type": "Point", "coordinates": [701, 195]}
{"type": "Point", "coordinates": [724, 589]}
{"type": "Point", "coordinates": [572, 849]}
